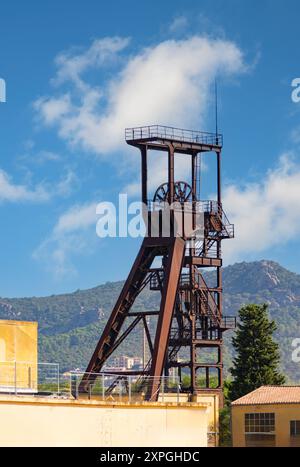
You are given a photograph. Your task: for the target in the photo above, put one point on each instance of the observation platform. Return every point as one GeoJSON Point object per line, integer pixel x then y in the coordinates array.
{"type": "Point", "coordinates": [159, 137]}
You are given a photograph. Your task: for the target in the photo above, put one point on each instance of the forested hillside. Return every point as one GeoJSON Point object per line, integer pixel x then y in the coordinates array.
{"type": "Point", "coordinates": [70, 324]}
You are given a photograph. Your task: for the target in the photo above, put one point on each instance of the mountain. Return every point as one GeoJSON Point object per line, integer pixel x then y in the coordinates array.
{"type": "Point", "coordinates": [70, 324]}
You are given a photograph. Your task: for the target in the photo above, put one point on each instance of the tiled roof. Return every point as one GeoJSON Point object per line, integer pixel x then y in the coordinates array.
{"type": "Point", "coordinates": [271, 395]}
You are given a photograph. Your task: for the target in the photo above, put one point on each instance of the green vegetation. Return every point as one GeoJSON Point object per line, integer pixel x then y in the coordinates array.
{"type": "Point", "coordinates": [225, 427]}
{"type": "Point", "coordinates": [70, 324]}
{"type": "Point", "coordinates": [257, 355]}
{"type": "Point", "coordinates": [256, 361]}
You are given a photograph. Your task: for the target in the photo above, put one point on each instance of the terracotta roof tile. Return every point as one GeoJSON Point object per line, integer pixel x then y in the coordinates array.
{"type": "Point", "coordinates": [271, 395]}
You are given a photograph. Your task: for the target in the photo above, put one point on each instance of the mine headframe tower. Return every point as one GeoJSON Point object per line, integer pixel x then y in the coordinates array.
{"type": "Point", "coordinates": [190, 324]}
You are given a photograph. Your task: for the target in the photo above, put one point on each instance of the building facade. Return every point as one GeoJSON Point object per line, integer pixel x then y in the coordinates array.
{"type": "Point", "coordinates": [267, 417]}
{"type": "Point", "coordinates": [18, 356]}
{"type": "Point", "coordinates": [40, 421]}
{"type": "Point", "coordinates": [36, 410]}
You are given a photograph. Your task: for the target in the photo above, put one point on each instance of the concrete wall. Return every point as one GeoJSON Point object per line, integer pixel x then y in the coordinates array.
{"type": "Point", "coordinates": [18, 355]}
{"type": "Point", "coordinates": [212, 400]}
{"type": "Point", "coordinates": [284, 413]}
{"type": "Point", "coordinates": [29, 421]}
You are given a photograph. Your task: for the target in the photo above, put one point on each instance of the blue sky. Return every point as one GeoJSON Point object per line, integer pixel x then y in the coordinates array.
{"type": "Point", "coordinates": [78, 72]}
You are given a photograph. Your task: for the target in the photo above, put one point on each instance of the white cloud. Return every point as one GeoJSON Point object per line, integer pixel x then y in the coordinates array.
{"type": "Point", "coordinates": [178, 24]}
{"type": "Point", "coordinates": [53, 109]}
{"type": "Point", "coordinates": [12, 192]}
{"type": "Point", "coordinates": [266, 213]}
{"type": "Point", "coordinates": [37, 157]}
{"type": "Point", "coordinates": [71, 235]}
{"type": "Point", "coordinates": [167, 83]}
{"type": "Point", "coordinates": [66, 185]}
{"type": "Point", "coordinates": [76, 218]}
{"type": "Point", "coordinates": [46, 156]}
{"type": "Point", "coordinates": [71, 64]}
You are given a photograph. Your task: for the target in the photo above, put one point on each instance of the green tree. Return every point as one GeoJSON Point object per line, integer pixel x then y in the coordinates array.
{"type": "Point", "coordinates": [257, 355]}
{"type": "Point", "coordinates": [225, 427]}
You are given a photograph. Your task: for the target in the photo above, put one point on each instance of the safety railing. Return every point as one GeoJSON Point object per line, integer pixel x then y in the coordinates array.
{"type": "Point", "coordinates": [118, 387]}
{"type": "Point", "coordinates": [156, 279]}
{"type": "Point", "coordinates": [29, 377]}
{"type": "Point", "coordinates": [228, 322]}
{"type": "Point", "coordinates": [211, 250]}
{"type": "Point", "coordinates": [187, 219]}
{"type": "Point", "coordinates": [187, 208]}
{"type": "Point", "coordinates": [174, 134]}
{"type": "Point", "coordinates": [176, 333]}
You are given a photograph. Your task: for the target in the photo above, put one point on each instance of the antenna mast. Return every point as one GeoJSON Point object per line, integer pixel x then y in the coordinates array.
{"type": "Point", "coordinates": [216, 109]}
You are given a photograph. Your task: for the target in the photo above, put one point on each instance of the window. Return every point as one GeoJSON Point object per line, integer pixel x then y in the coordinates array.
{"type": "Point", "coordinates": [294, 427]}
{"type": "Point", "coordinates": [260, 429]}
{"type": "Point", "coordinates": [295, 433]}
{"type": "Point", "coordinates": [259, 422]}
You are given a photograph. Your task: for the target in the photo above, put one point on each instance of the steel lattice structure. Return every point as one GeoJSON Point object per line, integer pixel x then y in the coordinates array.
{"type": "Point", "coordinates": [189, 318]}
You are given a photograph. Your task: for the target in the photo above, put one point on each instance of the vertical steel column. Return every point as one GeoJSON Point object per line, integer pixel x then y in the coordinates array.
{"type": "Point", "coordinates": [193, 271]}
{"type": "Point", "coordinates": [144, 183]}
{"type": "Point", "coordinates": [219, 185]}
{"type": "Point", "coordinates": [170, 286]}
{"type": "Point", "coordinates": [171, 173]}
{"type": "Point", "coordinates": [219, 270]}
{"type": "Point", "coordinates": [144, 174]}
{"type": "Point", "coordinates": [219, 199]}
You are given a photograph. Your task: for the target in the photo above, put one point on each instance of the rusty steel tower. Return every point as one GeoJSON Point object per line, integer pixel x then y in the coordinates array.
{"type": "Point", "coordinates": [189, 321]}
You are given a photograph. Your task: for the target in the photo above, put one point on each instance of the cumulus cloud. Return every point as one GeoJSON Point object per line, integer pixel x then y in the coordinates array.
{"type": "Point", "coordinates": [76, 218]}
{"type": "Point", "coordinates": [266, 213]}
{"type": "Point", "coordinates": [13, 192]}
{"type": "Point", "coordinates": [70, 236]}
{"type": "Point", "coordinates": [10, 191]}
{"type": "Point", "coordinates": [53, 109]}
{"type": "Point", "coordinates": [71, 64]}
{"type": "Point", "coordinates": [167, 83]}
{"type": "Point", "coordinates": [66, 185]}
{"type": "Point", "coordinates": [178, 24]}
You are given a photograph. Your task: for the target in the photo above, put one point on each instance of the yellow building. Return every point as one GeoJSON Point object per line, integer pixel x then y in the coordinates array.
{"type": "Point", "coordinates": [18, 356]}
{"type": "Point", "coordinates": [44, 421]}
{"type": "Point", "coordinates": [39, 420]}
{"type": "Point", "coordinates": [267, 417]}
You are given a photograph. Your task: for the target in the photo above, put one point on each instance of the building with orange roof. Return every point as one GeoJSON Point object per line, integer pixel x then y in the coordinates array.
{"type": "Point", "coordinates": [267, 417]}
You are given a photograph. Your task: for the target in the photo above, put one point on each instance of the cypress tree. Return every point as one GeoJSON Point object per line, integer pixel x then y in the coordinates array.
{"type": "Point", "coordinates": [257, 355]}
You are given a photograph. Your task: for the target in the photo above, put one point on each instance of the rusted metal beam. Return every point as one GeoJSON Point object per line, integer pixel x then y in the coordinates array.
{"type": "Point", "coordinates": [148, 335]}
{"type": "Point", "coordinates": [144, 174]}
{"type": "Point", "coordinates": [111, 331]}
{"type": "Point", "coordinates": [123, 336]}
{"type": "Point", "coordinates": [188, 305]}
{"type": "Point", "coordinates": [143, 313]}
{"type": "Point", "coordinates": [173, 270]}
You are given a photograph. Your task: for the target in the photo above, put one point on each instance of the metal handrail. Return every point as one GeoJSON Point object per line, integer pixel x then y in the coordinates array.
{"type": "Point", "coordinates": [21, 377]}
{"type": "Point", "coordinates": [173, 133]}
{"type": "Point", "coordinates": [229, 322]}
{"type": "Point", "coordinates": [195, 207]}
{"type": "Point", "coordinates": [120, 386]}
